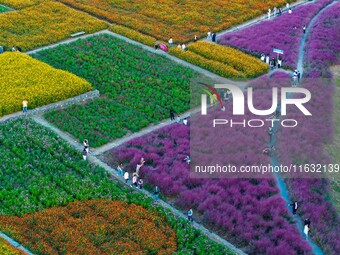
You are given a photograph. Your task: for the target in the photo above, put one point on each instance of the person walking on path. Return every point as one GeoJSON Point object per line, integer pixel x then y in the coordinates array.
{"type": "Point", "coordinates": [190, 213]}
{"type": "Point", "coordinates": [267, 59]}
{"type": "Point", "coordinates": [24, 106]}
{"type": "Point", "coordinates": [213, 38]}
{"type": "Point", "coordinates": [195, 38]}
{"type": "Point", "coordinates": [294, 207]}
{"type": "Point", "coordinates": [185, 122]}
{"type": "Point", "coordinates": [126, 176]}
{"type": "Point", "coordinates": [304, 29]}
{"type": "Point", "coordinates": [187, 159]}
{"type": "Point", "coordinates": [269, 13]}
{"type": "Point", "coordinates": [140, 183]}
{"type": "Point", "coordinates": [86, 145]}
{"type": "Point", "coordinates": [306, 231]}
{"type": "Point", "coordinates": [134, 179]}
{"type": "Point", "coordinates": [275, 10]}
{"type": "Point", "coordinates": [209, 36]}
{"type": "Point", "coordinates": [84, 154]}
{"type": "Point", "coordinates": [172, 114]}
{"type": "Point", "coordinates": [298, 76]}
{"type": "Point", "coordinates": [139, 165]}
{"type": "Point", "coordinates": [120, 169]}
{"type": "Point", "coordinates": [307, 222]}
{"type": "Point", "coordinates": [287, 7]}
{"type": "Point", "coordinates": [156, 192]}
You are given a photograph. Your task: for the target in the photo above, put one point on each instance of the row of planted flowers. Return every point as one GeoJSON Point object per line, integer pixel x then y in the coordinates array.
{"type": "Point", "coordinates": [159, 20]}
{"type": "Point", "coordinates": [7, 249]}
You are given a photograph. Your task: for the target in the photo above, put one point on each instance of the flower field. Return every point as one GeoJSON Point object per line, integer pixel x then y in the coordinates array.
{"type": "Point", "coordinates": [138, 87]}
{"type": "Point", "coordinates": [323, 49]}
{"type": "Point", "coordinates": [247, 212]}
{"type": "Point", "coordinates": [7, 249]}
{"type": "Point", "coordinates": [38, 170]}
{"type": "Point", "coordinates": [37, 82]}
{"type": "Point", "coordinates": [44, 24]}
{"type": "Point", "coordinates": [106, 227]}
{"type": "Point", "coordinates": [240, 210]}
{"type": "Point", "coordinates": [248, 66]}
{"type": "Point", "coordinates": [158, 18]}
{"type": "Point", "coordinates": [20, 4]}
{"type": "Point", "coordinates": [284, 32]}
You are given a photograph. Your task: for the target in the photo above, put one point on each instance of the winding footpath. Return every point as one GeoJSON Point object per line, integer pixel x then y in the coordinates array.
{"type": "Point", "coordinates": [280, 182]}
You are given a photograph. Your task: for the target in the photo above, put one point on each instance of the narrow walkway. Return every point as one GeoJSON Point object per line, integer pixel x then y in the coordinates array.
{"type": "Point", "coordinates": [259, 19]}
{"type": "Point", "coordinates": [280, 182]}
{"type": "Point", "coordinates": [93, 159]}
{"type": "Point", "coordinates": [15, 244]}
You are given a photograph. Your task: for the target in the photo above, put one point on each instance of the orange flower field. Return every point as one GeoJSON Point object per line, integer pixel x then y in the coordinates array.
{"type": "Point", "coordinates": [178, 19]}
{"type": "Point", "coordinates": [92, 227]}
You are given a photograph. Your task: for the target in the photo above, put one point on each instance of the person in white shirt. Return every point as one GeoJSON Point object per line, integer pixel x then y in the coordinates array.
{"type": "Point", "coordinates": [126, 176]}
{"type": "Point", "coordinates": [185, 121]}
{"type": "Point", "coordinates": [171, 42]}
{"type": "Point", "coordinates": [183, 46]}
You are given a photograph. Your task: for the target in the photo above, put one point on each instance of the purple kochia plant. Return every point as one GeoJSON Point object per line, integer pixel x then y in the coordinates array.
{"type": "Point", "coordinates": [284, 32]}
{"type": "Point", "coordinates": [322, 45]}
{"type": "Point", "coordinates": [248, 212]}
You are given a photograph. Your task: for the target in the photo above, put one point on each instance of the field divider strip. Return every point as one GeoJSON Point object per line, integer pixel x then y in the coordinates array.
{"type": "Point", "coordinates": [15, 244]}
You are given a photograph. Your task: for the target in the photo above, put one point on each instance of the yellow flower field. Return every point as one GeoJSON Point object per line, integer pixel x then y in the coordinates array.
{"type": "Point", "coordinates": [248, 65]}
{"type": "Point", "coordinates": [23, 77]}
{"type": "Point", "coordinates": [178, 19]}
{"type": "Point", "coordinates": [44, 24]}
{"type": "Point", "coordinates": [7, 249]}
{"type": "Point", "coordinates": [19, 4]}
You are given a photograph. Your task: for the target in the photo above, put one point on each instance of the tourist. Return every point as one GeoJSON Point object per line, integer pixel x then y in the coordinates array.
{"type": "Point", "coordinates": [294, 207]}
{"type": "Point", "coordinates": [280, 11]}
{"type": "Point", "coordinates": [172, 114]}
{"type": "Point", "coordinates": [24, 106]}
{"type": "Point", "coordinates": [275, 10]}
{"type": "Point", "coordinates": [1, 49]}
{"type": "Point", "coordinates": [183, 47]}
{"type": "Point", "coordinates": [307, 222]}
{"type": "Point", "coordinates": [178, 119]}
{"type": "Point", "coordinates": [134, 180]}
{"type": "Point", "coordinates": [86, 145]}
{"type": "Point", "coordinates": [269, 13]}
{"type": "Point", "coordinates": [139, 166]}
{"type": "Point", "coordinates": [279, 63]}
{"type": "Point", "coordinates": [187, 159]}
{"type": "Point", "coordinates": [287, 6]}
{"type": "Point", "coordinates": [179, 46]}
{"type": "Point", "coordinates": [195, 38]}
{"type": "Point", "coordinates": [213, 38]}
{"type": "Point", "coordinates": [156, 45]}
{"type": "Point", "coordinates": [304, 29]}
{"type": "Point", "coordinates": [290, 11]}
{"type": "Point", "coordinates": [190, 213]}
{"type": "Point", "coordinates": [84, 154]}
{"type": "Point", "coordinates": [140, 184]}
{"type": "Point", "coordinates": [19, 49]}
{"type": "Point", "coordinates": [209, 36]}
{"type": "Point", "coordinates": [171, 42]}
{"type": "Point", "coordinates": [13, 49]}
{"type": "Point", "coordinates": [126, 176]}
{"type": "Point", "coordinates": [298, 76]}
{"type": "Point", "coordinates": [120, 169]}
{"type": "Point", "coordinates": [306, 231]}
{"type": "Point", "coordinates": [263, 57]}
{"type": "Point", "coordinates": [156, 192]}
{"type": "Point", "coordinates": [267, 59]}
{"type": "Point", "coordinates": [185, 121]}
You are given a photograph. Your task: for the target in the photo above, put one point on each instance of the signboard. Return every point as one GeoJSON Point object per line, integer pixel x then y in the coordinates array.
{"type": "Point", "coordinates": [278, 51]}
